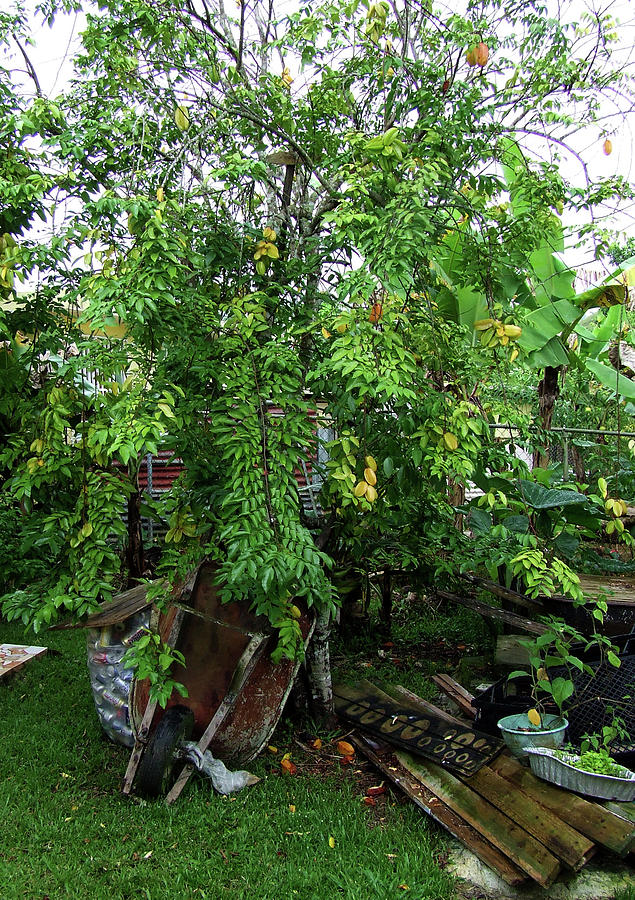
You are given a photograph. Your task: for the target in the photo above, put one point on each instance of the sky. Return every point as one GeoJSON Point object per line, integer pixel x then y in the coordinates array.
{"type": "Point", "coordinates": [55, 47]}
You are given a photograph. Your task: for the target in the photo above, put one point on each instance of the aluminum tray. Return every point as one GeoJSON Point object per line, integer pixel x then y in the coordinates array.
{"type": "Point", "coordinates": [555, 767]}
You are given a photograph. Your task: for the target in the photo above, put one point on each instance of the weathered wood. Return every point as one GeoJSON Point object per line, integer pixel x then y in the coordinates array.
{"type": "Point", "coordinates": [571, 847]}
{"type": "Point", "coordinates": [620, 589]}
{"type": "Point", "coordinates": [385, 760]}
{"type": "Point", "coordinates": [243, 670]}
{"type": "Point", "coordinates": [494, 612]}
{"type": "Point", "coordinates": [456, 692]}
{"type": "Point", "coordinates": [114, 611]}
{"type": "Point", "coordinates": [623, 810]}
{"type": "Point", "coordinates": [565, 842]}
{"type": "Point", "coordinates": [14, 656]}
{"type": "Point", "coordinates": [456, 746]}
{"type": "Point", "coordinates": [496, 827]}
{"type": "Point", "coordinates": [499, 590]}
{"type": "Point", "coordinates": [143, 731]}
{"type": "Point", "coordinates": [415, 703]}
{"type": "Point", "coordinates": [596, 822]}
{"type": "Point", "coordinates": [510, 653]}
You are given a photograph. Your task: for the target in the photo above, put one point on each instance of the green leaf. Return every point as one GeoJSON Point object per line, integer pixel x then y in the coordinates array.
{"type": "Point", "coordinates": [539, 497]}
{"type": "Point", "coordinates": [611, 379]}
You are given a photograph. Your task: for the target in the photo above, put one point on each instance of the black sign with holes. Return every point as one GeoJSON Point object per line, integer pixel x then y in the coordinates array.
{"type": "Point", "coordinates": [461, 750]}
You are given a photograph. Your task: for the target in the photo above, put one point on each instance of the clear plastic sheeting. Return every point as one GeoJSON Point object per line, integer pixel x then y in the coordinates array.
{"type": "Point", "coordinates": [223, 781]}
{"type": "Point", "coordinates": [109, 679]}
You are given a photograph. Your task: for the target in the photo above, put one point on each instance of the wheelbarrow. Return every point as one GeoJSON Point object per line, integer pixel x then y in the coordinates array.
{"type": "Point", "coordinates": [236, 693]}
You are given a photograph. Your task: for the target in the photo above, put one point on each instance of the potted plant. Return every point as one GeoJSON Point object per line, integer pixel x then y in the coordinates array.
{"type": "Point", "coordinates": [561, 647]}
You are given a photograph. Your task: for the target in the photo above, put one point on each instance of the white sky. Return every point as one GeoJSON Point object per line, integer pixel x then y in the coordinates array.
{"type": "Point", "coordinates": [55, 47]}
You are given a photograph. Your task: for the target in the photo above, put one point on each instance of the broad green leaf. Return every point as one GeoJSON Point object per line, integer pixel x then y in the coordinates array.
{"type": "Point", "coordinates": [611, 379]}
{"type": "Point", "coordinates": [539, 497]}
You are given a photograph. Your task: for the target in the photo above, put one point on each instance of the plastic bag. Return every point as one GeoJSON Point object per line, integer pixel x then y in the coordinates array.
{"type": "Point", "coordinates": [224, 781]}
{"type": "Point", "coordinates": [109, 679]}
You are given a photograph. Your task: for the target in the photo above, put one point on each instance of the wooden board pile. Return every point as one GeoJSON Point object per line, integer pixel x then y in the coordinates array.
{"type": "Point", "coordinates": [519, 826]}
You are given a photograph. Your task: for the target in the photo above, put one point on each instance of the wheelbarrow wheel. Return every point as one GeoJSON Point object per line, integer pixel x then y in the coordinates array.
{"type": "Point", "coordinates": [156, 773]}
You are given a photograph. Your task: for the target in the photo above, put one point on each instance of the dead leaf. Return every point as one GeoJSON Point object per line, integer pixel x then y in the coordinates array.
{"type": "Point", "coordinates": [370, 801]}
{"type": "Point", "coordinates": [272, 749]}
{"type": "Point", "coordinates": [291, 808]}
{"type": "Point", "coordinates": [288, 767]}
{"type": "Point", "coordinates": [376, 790]}
{"type": "Point", "coordinates": [345, 749]}
{"type": "Point", "coordinates": [317, 744]}
{"type": "Point", "coordinates": [331, 842]}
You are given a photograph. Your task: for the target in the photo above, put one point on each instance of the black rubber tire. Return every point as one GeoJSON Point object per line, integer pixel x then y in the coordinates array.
{"type": "Point", "coordinates": [158, 770]}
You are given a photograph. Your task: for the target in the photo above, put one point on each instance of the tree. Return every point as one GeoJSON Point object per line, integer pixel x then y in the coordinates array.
{"type": "Point", "coordinates": [278, 209]}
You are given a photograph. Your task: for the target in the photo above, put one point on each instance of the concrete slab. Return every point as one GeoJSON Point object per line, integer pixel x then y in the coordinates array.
{"type": "Point", "coordinates": [603, 878]}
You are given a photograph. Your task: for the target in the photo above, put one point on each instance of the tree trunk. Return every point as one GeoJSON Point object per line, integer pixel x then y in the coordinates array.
{"type": "Point", "coordinates": [134, 554]}
{"type": "Point", "coordinates": [318, 666]}
{"type": "Point", "coordinates": [548, 391]}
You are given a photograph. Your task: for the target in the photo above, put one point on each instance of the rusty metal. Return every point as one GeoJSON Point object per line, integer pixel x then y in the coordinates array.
{"type": "Point", "coordinates": [235, 691]}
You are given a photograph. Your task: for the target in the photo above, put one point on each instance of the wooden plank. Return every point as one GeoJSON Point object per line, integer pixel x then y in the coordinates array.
{"type": "Point", "coordinates": [14, 656]}
{"type": "Point", "coordinates": [510, 653]}
{"type": "Point", "coordinates": [596, 822]}
{"type": "Point", "coordinates": [498, 590]}
{"type": "Point", "coordinates": [623, 810]}
{"type": "Point", "coordinates": [571, 847]}
{"type": "Point", "coordinates": [620, 589]}
{"type": "Point", "coordinates": [385, 760]}
{"type": "Point", "coordinates": [455, 745]}
{"type": "Point", "coordinates": [456, 692]}
{"type": "Point", "coordinates": [141, 736]}
{"type": "Point", "coordinates": [494, 612]}
{"type": "Point", "coordinates": [496, 827]}
{"type": "Point", "coordinates": [114, 611]}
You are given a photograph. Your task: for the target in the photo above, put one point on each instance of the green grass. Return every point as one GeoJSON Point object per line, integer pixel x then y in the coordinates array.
{"type": "Point", "coordinates": [67, 832]}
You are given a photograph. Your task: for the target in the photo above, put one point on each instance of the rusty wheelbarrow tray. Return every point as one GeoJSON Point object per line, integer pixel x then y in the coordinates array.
{"type": "Point", "coordinates": [235, 692]}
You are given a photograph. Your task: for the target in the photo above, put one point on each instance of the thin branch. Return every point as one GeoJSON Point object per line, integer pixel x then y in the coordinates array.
{"type": "Point", "coordinates": [30, 67]}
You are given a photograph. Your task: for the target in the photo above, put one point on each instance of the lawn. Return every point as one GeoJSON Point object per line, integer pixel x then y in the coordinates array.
{"type": "Point", "coordinates": [68, 832]}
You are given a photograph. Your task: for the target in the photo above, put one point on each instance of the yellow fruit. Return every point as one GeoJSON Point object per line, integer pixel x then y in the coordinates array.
{"type": "Point", "coordinates": [534, 717]}
{"type": "Point", "coordinates": [295, 612]}
{"type": "Point", "coordinates": [607, 147]}
{"type": "Point", "coordinates": [470, 56]}
{"type": "Point", "coordinates": [481, 54]}
{"type": "Point", "coordinates": [341, 327]}
{"type": "Point", "coordinates": [376, 313]}
{"type": "Point", "coordinates": [513, 331]}
{"type": "Point", "coordinates": [361, 488]}
{"type": "Point", "coordinates": [483, 324]}
{"type": "Point", "coordinates": [182, 118]}
{"type": "Point", "coordinates": [370, 462]}
{"type": "Point", "coordinates": [370, 476]}
{"type": "Point", "coordinates": [450, 441]}
{"type": "Point", "coordinates": [513, 355]}
{"type": "Point", "coordinates": [371, 494]}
